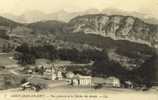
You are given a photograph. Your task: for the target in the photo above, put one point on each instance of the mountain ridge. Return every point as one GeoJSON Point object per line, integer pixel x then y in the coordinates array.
{"type": "Point", "coordinates": [117, 27]}
{"type": "Point", "coordinates": [62, 15]}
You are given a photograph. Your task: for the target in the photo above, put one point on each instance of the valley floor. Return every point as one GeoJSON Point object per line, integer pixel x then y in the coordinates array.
{"type": "Point", "coordinates": [66, 93]}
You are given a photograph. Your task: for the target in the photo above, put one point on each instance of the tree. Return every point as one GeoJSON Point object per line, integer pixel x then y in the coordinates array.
{"type": "Point", "coordinates": [25, 59]}
{"type": "Point", "coordinates": [109, 68]}
{"type": "Point", "coordinates": [100, 67]}
{"type": "Point", "coordinates": [24, 48]}
{"type": "Point", "coordinates": [148, 71]}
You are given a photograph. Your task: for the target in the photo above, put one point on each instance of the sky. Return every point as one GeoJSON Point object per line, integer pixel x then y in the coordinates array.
{"type": "Point", "coordinates": [48, 6]}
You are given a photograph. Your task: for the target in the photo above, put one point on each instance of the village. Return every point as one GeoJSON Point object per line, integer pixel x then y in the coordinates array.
{"type": "Point", "coordinates": [48, 75]}
{"type": "Point", "coordinates": [53, 75]}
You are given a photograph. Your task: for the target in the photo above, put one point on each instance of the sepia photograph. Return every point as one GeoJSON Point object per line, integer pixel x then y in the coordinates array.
{"type": "Point", "coordinates": [79, 49]}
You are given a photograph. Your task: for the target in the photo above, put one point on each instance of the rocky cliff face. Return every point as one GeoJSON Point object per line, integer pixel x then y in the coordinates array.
{"type": "Point", "coordinates": [117, 27]}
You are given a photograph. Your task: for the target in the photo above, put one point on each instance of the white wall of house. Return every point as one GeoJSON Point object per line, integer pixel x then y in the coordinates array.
{"type": "Point", "coordinates": [85, 82]}
{"type": "Point", "coordinates": [113, 81]}
{"type": "Point", "coordinates": [59, 75]}
{"type": "Point", "coordinates": [79, 80]}
{"type": "Point", "coordinates": [54, 76]}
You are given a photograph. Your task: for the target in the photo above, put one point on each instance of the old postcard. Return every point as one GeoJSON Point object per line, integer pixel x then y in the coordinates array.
{"type": "Point", "coordinates": [79, 49]}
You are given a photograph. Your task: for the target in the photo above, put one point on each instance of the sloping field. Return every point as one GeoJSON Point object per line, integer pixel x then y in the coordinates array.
{"type": "Point", "coordinates": [9, 80]}
{"type": "Point", "coordinates": [6, 59]}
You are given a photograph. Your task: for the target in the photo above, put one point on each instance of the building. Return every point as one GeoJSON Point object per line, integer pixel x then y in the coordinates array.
{"type": "Point", "coordinates": [69, 75]}
{"type": "Point", "coordinates": [85, 80]}
{"type": "Point", "coordinates": [59, 75]}
{"type": "Point", "coordinates": [43, 63]}
{"type": "Point", "coordinates": [107, 82]}
{"type": "Point", "coordinates": [56, 74]}
{"type": "Point", "coordinates": [112, 82]}
{"type": "Point", "coordinates": [12, 66]}
{"type": "Point", "coordinates": [128, 84]}
{"type": "Point", "coordinates": [75, 82]}
{"type": "Point", "coordinates": [80, 80]}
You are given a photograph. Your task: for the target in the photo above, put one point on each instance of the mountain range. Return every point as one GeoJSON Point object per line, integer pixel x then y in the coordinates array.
{"type": "Point", "coordinates": [127, 40]}
{"type": "Point", "coordinates": [62, 15]}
